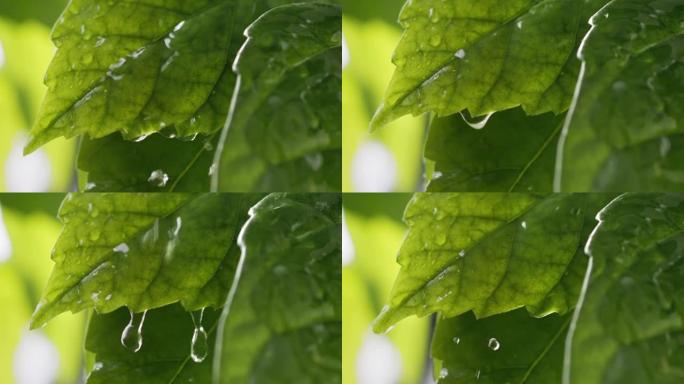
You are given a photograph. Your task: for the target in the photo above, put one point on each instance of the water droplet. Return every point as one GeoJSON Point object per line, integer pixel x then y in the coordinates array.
{"type": "Point", "coordinates": [435, 40]}
{"type": "Point", "coordinates": [314, 161]}
{"type": "Point", "coordinates": [477, 375]}
{"type": "Point", "coordinates": [519, 24]}
{"type": "Point", "coordinates": [494, 344]}
{"type": "Point", "coordinates": [456, 340]}
{"type": "Point", "coordinates": [390, 329]}
{"type": "Point", "coordinates": [94, 235]}
{"type": "Point", "coordinates": [94, 212]}
{"type": "Point", "coordinates": [432, 15]}
{"type": "Point", "coordinates": [87, 58]}
{"type": "Point", "coordinates": [199, 347]}
{"type": "Point", "coordinates": [132, 337]}
{"type": "Point", "coordinates": [121, 248]}
{"type": "Point", "coordinates": [212, 169]}
{"type": "Point", "coordinates": [443, 373]}
{"type": "Point", "coordinates": [619, 86]}
{"type": "Point", "coordinates": [336, 38]}
{"type": "Point", "coordinates": [436, 175]}
{"type": "Point", "coordinates": [158, 178]}
{"type": "Point", "coordinates": [476, 124]}
{"type": "Point", "coordinates": [461, 253]}
{"type": "Point", "coordinates": [665, 146]}
{"type": "Point", "coordinates": [460, 54]}
{"type": "Point", "coordinates": [441, 238]}
{"type": "Point", "coordinates": [523, 225]}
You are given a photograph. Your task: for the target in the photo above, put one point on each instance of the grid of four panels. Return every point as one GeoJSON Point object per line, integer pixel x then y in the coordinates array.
{"type": "Point", "coordinates": [342, 192]}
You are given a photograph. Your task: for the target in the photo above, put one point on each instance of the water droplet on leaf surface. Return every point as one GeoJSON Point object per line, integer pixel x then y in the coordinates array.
{"type": "Point", "coordinates": [158, 178]}
{"type": "Point", "coordinates": [494, 344]}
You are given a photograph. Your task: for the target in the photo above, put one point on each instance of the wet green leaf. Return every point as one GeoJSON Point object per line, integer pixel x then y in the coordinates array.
{"type": "Point", "coordinates": [491, 253]}
{"type": "Point", "coordinates": [627, 124]}
{"type": "Point", "coordinates": [485, 56]}
{"type": "Point", "coordinates": [514, 152]}
{"type": "Point", "coordinates": [165, 353]}
{"type": "Point", "coordinates": [284, 126]}
{"type": "Point", "coordinates": [114, 164]}
{"type": "Point", "coordinates": [143, 251]}
{"type": "Point", "coordinates": [138, 68]}
{"type": "Point", "coordinates": [630, 327]}
{"type": "Point", "coordinates": [284, 323]}
{"type": "Point", "coordinates": [508, 348]}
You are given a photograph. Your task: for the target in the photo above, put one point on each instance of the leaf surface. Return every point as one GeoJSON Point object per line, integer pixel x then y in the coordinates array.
{"type": "Point", "coordinates": [630, 327]}
{"type": "Point", "coordinates": [140, 67]}
{"type": "Point", "coordinates": [143, 251]}
{"type": "Point", "coordinates": [491, 253]}
{"type": "Point", "coordinates": [485, 56]}
{"type": "Point", "coordinates": [284, 323]}
{"type": "Point", "coordinates": [512, 347]}
{"type": "Point", "coordinates": [284, 125]}
{"type": "Point", "coordinates": [627, 123]}
{"type": "Point", "coordinates": [114, 164]}
{"type": "Point", "coordinates": [514, 153]}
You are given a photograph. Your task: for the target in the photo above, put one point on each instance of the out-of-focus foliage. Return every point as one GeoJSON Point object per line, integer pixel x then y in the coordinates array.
{"type": "Point", "coordinates": [45, 11]}
{"type": "Point", "coordinates": [26, 237]}
{"type": "Point", "coordinates": [369, 242]}
{"type": "Point", "coordinates": [25, 52]}
{"type": "Point", "coordinates": [383, 161]}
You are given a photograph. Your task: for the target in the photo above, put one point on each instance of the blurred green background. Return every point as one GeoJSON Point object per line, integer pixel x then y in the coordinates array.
{"type": "Point", "coordinates": [25, 52]}
{"type": "Point", "coordinates": [387, 160]}
{"type": "Point", "coordinates": [53, 354]}
{"type": "Point", "coordinates": [371, 235]}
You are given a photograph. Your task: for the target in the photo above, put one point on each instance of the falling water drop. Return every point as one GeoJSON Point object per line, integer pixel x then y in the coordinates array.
{"type": "Point", "coordinates": [494, 344]}
{"type": "Point", "coordinates": [476, 124]}
{"type": "Point", "coordinates": [132, 337]}
{"type": "Point", "coordinates": [158, 178]}
{"type": "Point", "coordinates": [198, 347]}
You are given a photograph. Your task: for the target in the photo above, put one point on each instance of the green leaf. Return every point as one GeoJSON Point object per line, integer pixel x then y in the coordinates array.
{"type": "Point", "coordinates": [491, 253]}
{"type": "Point", "coordinates": [626, 122]}
{"type": "Point", "coordinates": [630, 327]}
{"type": "Point", "coordinates": [114, 164]}
{"type": "Point", "coordinates": [283, 130]}
{"type": "Point", "coordinates": [509, 348]}
{"type": "Point", "coordinates": [282, 323]}
{"type": "Point", "coordinates": [484, 57]}
{"type": "Point", "coordinates": [143, 251]}
{"type": "Point", "coordinates": [165, 354]}
{"type": "Point", "coordinates": [138, 68]}
{"type": "Point", "coordinates": [515, 152]}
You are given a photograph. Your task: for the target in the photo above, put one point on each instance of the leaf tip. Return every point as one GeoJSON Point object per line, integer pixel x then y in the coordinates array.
{"type": "Point", "coordinates": [385, 321]}
{"type": "Point", "coordinates": [381, 118]}
{"type": "Point", "coordinates": [40, 316]}
{"type": "Point", "coordinates": [32, 145]}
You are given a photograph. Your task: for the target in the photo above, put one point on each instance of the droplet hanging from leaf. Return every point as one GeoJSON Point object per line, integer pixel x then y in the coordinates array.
{"type": "Point", "coordinates": [198, 347]}
{"type": "Point", "coordinates": [132, 337]}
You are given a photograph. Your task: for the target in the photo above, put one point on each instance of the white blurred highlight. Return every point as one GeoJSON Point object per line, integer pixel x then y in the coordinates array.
{"type": "Point", "coordinates": [32, 173]}
{"type": "Point", "coordinates": [378, 361]}
{"type": "Point", "coordinates": [36, 360]}
{"type": "Point", "coordinates": [345, 53]}
{"type": "Point", "coordinates": [348, 250]}
{"type": "Point", "coordinates": [374, 168]}
{"type": "Point", "coordinates": [5, 242]}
